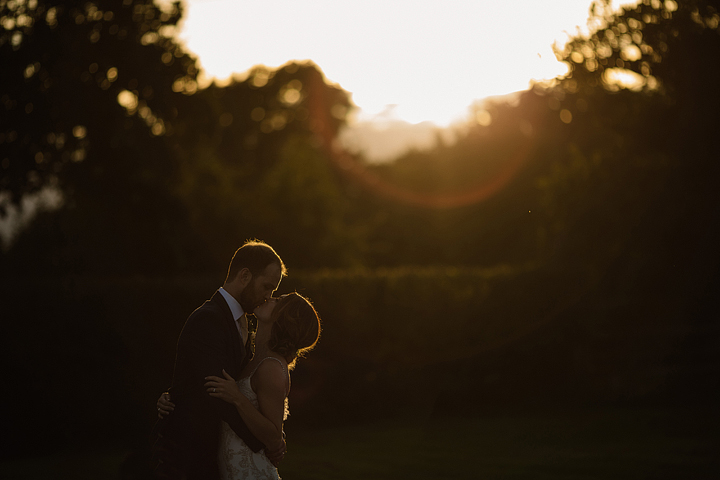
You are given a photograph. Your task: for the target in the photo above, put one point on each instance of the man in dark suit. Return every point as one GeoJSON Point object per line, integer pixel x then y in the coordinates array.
{"type": "Point", "coordinates": [215, 337]}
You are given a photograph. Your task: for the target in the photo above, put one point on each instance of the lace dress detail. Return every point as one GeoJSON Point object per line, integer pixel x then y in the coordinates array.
{"type": "Point", "coordinates": [236, 460]}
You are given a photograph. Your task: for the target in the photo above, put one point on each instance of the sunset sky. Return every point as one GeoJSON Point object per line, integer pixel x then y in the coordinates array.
{"type": "Point", "coordinates": [411, 60]}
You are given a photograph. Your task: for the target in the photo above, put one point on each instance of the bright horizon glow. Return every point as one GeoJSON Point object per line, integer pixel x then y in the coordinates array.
{"type": "Point", "coordinates": [411, 60]}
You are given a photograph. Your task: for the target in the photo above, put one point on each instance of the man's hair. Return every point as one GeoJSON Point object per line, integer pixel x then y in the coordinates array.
{"type": "Point", "coordinates": [255, 256]}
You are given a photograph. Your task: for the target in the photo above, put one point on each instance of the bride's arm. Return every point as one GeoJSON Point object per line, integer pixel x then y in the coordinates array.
{"type": "Point", "coordinates": [270, 387]}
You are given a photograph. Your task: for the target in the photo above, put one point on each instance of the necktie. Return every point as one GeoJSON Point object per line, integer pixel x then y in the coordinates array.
{"type": "Point", "coordinates": [251, 329]}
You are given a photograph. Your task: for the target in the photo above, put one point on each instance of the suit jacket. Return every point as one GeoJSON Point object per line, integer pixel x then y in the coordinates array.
{"type": "Point", "coordinates": [209, 342]}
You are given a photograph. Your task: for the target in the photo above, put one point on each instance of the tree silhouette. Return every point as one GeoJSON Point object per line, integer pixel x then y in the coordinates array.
{"type": "Point", "coordinates": [66, 67]}
{"type": "Point", "coordinates": [252, 164]}
{"type": "Point", "coordinates": [90, 93]}
{"type": "Point", "coordinates": [103, 105]}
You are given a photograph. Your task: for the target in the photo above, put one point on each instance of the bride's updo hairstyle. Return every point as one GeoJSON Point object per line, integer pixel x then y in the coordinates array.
{"type": "Point", "coordinates": [296, 327]}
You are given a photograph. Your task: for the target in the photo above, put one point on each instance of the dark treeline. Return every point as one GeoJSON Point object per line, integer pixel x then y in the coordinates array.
{"type": "Point", "coordinates": [561, 251]}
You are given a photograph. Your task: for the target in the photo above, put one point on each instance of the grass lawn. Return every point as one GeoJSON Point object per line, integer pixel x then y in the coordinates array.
{"type": "Point", "coordinates": [616, 444]}
{"type": "Point", "coordinates": [602, 444]}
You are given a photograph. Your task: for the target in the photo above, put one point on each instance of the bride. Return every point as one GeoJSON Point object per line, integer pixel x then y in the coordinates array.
{"type": "Point", "coordinates": [288, 327]}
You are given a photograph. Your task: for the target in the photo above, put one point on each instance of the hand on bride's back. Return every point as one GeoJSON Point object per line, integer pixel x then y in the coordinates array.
{"type": "Point", "coordinates": [164, 405]}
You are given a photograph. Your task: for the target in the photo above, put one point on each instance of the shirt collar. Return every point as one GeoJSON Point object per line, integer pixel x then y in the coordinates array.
{"type": "Point", "coordinates": [234, 305]}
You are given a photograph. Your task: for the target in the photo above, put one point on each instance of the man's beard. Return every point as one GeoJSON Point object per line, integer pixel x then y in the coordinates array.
{"type": "Point", "coordinates": [247, 299]}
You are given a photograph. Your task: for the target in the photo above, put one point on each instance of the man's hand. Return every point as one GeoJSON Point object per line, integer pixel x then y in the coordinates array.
{"type": "Point", "coordinates": [164, 405]}
{"type": "Point", "coordinates": [277, 453]}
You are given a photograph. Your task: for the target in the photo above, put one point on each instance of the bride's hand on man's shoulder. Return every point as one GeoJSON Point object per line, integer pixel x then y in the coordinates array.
{"type": "Point", "coordinates": [223, 388]}
{"type": "Point", "coordinates": [164, 405]}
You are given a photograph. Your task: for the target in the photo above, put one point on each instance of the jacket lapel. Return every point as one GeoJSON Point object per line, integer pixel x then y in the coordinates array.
{"type": "Point", "coordinates": [237, 349]}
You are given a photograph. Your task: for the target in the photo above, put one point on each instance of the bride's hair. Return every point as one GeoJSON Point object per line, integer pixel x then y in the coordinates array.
{"type": "Point", "coordinates": [296, 328]}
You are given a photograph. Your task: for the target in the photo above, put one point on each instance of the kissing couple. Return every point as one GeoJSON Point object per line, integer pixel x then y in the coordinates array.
{"type": "Point", "coordinates": [212, 426]}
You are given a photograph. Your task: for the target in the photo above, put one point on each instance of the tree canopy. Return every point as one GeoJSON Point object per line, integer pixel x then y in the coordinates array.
{"type": "Point", "coordinates": [80, 77]}
{"type": "Point", "coordinates": [103, 104]}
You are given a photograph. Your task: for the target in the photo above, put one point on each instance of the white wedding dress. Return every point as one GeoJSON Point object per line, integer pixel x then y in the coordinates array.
{"type": "Point", "coordinates": [236, 460]}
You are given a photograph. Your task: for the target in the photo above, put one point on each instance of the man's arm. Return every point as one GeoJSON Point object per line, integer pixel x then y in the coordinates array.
{"type": "Point", "coordinates": [266, 423]}
{"type": "Point", "coordinates": [205, 342]}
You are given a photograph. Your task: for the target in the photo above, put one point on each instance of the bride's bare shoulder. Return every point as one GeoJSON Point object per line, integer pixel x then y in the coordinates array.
{"type": "Point", "coordinates": [272, 374]}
